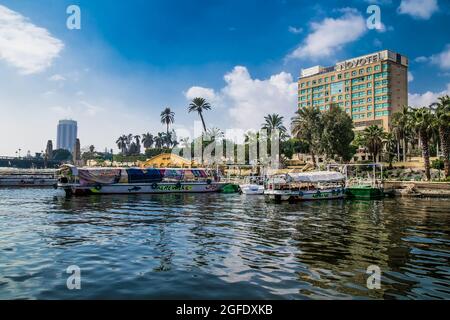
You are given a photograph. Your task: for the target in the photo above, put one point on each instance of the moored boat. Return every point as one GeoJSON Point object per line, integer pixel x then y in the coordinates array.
{"type": "Point", "coordinates": [252, 186]}
{"type": "Point", "coordinates": [82, 181]}
{"type": "Point", "coordinates": [318, 185]}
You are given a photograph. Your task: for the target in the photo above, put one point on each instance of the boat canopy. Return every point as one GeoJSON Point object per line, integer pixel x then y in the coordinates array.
{"type": "Point", "coordinates": [89, 176]}
{"type": "Point", "coordinates": [316, 176]}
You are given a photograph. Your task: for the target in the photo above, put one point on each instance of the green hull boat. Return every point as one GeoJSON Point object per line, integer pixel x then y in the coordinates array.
{"type": "Point", "coordinates": [364, 192]}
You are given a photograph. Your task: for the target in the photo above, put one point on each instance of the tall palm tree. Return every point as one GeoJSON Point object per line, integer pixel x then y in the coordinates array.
{"type": "Point", "coordinates": [199, 105]}
{"type": "Point", "coordinates": [442, 112]}
{"type": "Point", "coordinates": [273, 122]}
{"type": "Point", "coordinates": [400, 129]}
{"type": "Point", "coordinates": [147, 140]}
{"type": "Point", "coordinates": [306, 125]}
{"type": "Point", "coordinates": [373, 138]}
{"type": "Point", "coordinates": [137, 138]}
{"type": "Point", "coordinates": [422, 121]}
{"type": "Point", "coordinates": [159, 140]}
{"type": "Point", "coordinates": [167, 118]}
{"type": "Point", "coordinates": [122, 144]}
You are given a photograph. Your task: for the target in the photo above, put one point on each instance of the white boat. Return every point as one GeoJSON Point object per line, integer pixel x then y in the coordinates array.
{"type": "Point", "coordinates": [27, 178]}
{"type": "Point", "coordinates": [318, 185]}
{"type": "Point", "coordinates": [82, 181]}
{"type": "Point", "coordinates": [252, 186]}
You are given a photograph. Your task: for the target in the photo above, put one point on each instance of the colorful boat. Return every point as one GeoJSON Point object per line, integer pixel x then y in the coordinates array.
{"type": "Point", "coordinates": [318, 185]}
{"type": "Point", "coordinates": [364, 192]}
{"type": "Point", "coordinates": [82, 181]}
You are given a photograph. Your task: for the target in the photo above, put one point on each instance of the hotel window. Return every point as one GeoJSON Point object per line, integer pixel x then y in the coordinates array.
{"type": "Point", "coordinates": [369, 92]}
{"type": "Point", "coordinates": [353, 73]}
{"type": "Point", "coordinates": [369, 77]}
{"type": "Point", "coordinates": [314, 82]}
{"type": "Point", "coordinates": [339, 97]}
{"type": "Point", "coordinates": [347, 96]}
{"type": "Point", "coordinates": [320, 80]}
{"type": "Point", "coordinates": [346, 75]}
{"type": "Point", "coordinates": [347, 110]}
{"type": "Point", "coordinates": [339, 76]}
{"type": "Point", "coordinates": [385, 67]}
{"type": "Point", "coordinates": [369, 69]}
{"type": "Point", "coordinates": [369, 108]}
{"type": "Point", "coordinates": [332, 78]}
{"type": "Point", "coordinates": [377, 68]}
{"type": "Point", "coordinates": [307, 84]}
{"type": "Point", "coordinates": [326, 79]}
{"type": "Point", "coordinates": [361, 71]}
{"type": "Point", "coordinates": [369, 114]}
{"type": "Point", "coordinates": [302, 85]}
{"type": "Point", "coordinates": [369, 99]}
{"type": "Point", "coordinates": [347, 103]}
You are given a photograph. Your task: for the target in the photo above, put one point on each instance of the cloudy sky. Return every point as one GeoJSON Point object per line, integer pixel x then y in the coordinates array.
{"type": "Point", "coordinates": [131, 59]}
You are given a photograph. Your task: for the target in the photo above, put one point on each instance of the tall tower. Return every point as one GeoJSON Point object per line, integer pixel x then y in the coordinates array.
{"type": "Point", "coordinates": [67, 135]}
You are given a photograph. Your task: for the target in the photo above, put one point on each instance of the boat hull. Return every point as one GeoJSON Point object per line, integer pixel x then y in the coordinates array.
{"type": "Point", "coordinates": [144, 188]}
{"type": "Point", "coordinates": [325, 194]}
{"type": "Point", "coordinates": [364, 193]}
{"type": "Point", "coordinates": [252, 189]}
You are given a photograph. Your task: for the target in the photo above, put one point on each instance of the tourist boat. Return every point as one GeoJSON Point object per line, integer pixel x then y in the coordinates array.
{"type": "Point", "coordinates": [317, 185]}
{"type": "Point", "coordinates": [82, 181]}
{"type": "Point", "coordinates": [252, 186]}
{"type": "Point", "coordinates": [364, 181]}
{"type": "Point", "coordinates": [27, 178]}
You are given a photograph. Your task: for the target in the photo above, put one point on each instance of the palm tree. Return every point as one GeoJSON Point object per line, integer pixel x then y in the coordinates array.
{"type": "Point", "coordinates": [214, 134]}
{"type": "Point", "coordinates": [122, 144]}
{"type": "Point", "coordinates": [273, 122]}
{"type": "Point", "coordinates": [400, 129]}
{"type": "Point", "coordinates": [147, 140]}
{"type": "Point", "coordinates": [307, 126]}
{"type": "Point", "coordinates": [137, 138]}
{"type": "Point", "coordinates": [442, 111]}
{"type": "Point", "coordinates": [159, 140]}
{"type": "Point", "coordinates": [373, 138]}
{"type": "Point", "coordinates": [199, 105]}
{"type": "Point", "coordinates": [167, 117]}
{"type": "Point", "coordinates": [422, 122]}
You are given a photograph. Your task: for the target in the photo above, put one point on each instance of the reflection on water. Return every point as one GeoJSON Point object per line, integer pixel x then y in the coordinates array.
{"type": "Point", "coordinates": [221, 246]}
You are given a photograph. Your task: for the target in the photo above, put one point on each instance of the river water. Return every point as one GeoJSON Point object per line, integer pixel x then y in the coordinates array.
{"type": "Point", "coordinates": [221, 246]}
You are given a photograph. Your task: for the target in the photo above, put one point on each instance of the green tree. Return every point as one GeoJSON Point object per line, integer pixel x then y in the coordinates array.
{"type": "Point", "coordinates": [273, 122]}
{"type": "Point", "coordinates": [442, 112]}
{"type": "Point", "coordinates": [373, 138]}
{"type": "Point", "coordinates": [307, 125]}
{"type": "Point", "coordinates": [167, 118]}
{"type": "Point", "coordinates": [337, 134]}
{"type": "Point", "coordinates": [147, 140]}
{"type": "Point", "coordinates": [199, 105]}
{"type": "Point", "coordinates": [61, 155]}
{"type": "Point", "coordinates": [422, 121]}
{"type": "Point", "coordinates": [400, 128]}
{"type": "Point", "coordinates": [122, 144]}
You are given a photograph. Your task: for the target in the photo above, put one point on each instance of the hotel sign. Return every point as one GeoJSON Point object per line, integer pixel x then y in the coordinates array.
{"type": "Point", "coordinates": [358, 62]}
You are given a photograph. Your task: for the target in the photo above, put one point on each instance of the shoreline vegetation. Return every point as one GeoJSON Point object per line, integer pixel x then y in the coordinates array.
{"type": "Point", "coordinates": [418, 141]}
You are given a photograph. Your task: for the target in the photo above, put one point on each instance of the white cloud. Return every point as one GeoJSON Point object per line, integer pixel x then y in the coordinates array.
{"type": "Point", "coordinates": [330, 35]}
{"type": "Point", "coordinates": [206, 93]}
{"type": "Point", "coordinates": [248, 100]}
{"type": "Point", "coordinates": [29, 48]}
{"type": "Point", "coordinates": [442, 59]}
{"type": "Point", "coordinates": [421, 59]}
{"type": "Point", "coordinates": [56, 77]}
{"type": "Point", "coordinates": [418, 9]}
{"type": "Point", "coordinates": [410, 76]}
{"type": "Point", "coordinates": [83, 108]}
{"type": "Point", "coordinates": [295, 30]}
{"type": "Point", "coordinates": [425, 99]}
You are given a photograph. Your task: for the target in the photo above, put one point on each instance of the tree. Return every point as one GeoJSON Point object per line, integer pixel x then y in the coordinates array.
{"type": "Point", "coordinates": [61, 155]}
{"type": "Point", "coordinates": [147, 140]}
{"type": "Point", "coordinates": [122, 144]}
{"type": "Point", "coordinates": [159, 140]}
{"type": "Point", "coordinates": [390, 144]}
{"type": "Point", "coordinates": [337, 134]}
{"type": "Point", "coordinates": [307, 126]}
{"type": "Point", "coordinates": [91, 148]}
{"type": "Point", "coordinates": [442, 112]}
{"type": "Point", "coordinates": [373, 138]}
{"type": "Point", "coordinates": [199, 105]}
{"type": "Point", "coordinates": [400, 129]}
{"type": "Point", "coordinates": [167, 118]}
{"type": "Point", "coordinates": [422, 121]}
{"type": "Point", "coordinates": [137, 138]}
{"type": "Point", "coordinates": [273, 122]}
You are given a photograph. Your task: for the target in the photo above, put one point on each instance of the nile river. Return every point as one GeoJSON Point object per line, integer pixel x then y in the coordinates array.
{"type": "Point", "coordinates": [221, 246]}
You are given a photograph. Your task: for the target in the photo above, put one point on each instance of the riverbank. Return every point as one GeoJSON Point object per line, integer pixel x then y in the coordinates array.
{"type": "Point", "coordinates": [419, 188]}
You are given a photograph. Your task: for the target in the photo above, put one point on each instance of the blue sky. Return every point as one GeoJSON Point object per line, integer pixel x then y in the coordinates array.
{"type": "Point", "coordinates": [133, 58]}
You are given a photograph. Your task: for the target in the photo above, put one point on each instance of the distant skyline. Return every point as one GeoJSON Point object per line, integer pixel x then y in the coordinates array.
{"type": "Point", "coordinates": [132, 59]}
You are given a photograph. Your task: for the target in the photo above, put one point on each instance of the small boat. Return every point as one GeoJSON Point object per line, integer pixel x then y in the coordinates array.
{"type": "Point", "coordinates": [252, 186]}
{"type": "Point", "coordinates": [83, 181]}
{"type": "Point", "coordinates": [317, 185]}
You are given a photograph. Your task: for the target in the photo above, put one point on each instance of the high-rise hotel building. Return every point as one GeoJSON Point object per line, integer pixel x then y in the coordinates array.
{"type": "Point", "coordinates": [369, 88]}
{"type": "Point", "coordinates": [66, 135]}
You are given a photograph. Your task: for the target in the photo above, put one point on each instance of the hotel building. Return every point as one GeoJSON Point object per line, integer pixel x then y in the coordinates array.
{"type": "Point", "coordinates": [369, 88]}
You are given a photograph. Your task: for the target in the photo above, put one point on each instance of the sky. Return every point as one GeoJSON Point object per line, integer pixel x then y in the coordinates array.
{"type": "Point", "coordinates": [131, 59]}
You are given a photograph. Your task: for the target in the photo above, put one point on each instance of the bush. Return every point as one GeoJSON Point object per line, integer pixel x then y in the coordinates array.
{"type": "Point", "coordinates": [437, 164]}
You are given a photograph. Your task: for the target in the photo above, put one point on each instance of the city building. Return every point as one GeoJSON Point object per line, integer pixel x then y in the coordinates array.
{"type": "Point", "coordinates": [369, 88]}
{"type": "Point", "coordinates": [67, 135]}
